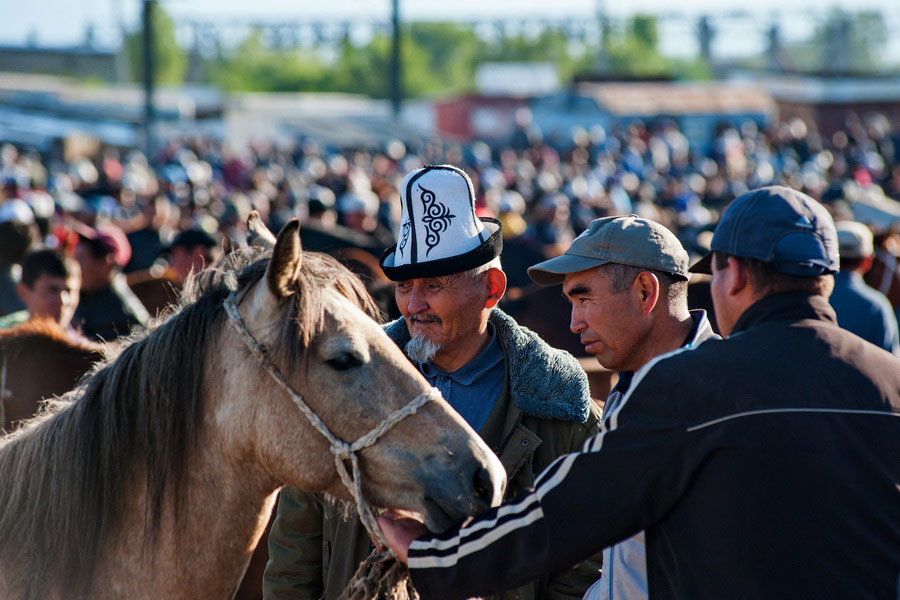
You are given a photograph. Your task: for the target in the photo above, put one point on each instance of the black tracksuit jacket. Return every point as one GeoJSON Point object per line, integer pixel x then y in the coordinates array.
{"type": "Point", "coordinates": [762, 466]}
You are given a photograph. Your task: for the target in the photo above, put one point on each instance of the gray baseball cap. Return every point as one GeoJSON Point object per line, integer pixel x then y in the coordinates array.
{"type": "Point", "coordinates": [630, 240]}
{"type": "Point", "coordinates": [777, 225]}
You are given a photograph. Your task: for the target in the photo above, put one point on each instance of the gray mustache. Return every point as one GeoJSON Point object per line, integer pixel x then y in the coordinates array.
{"type": "Point", "coordinates": [425, 319]}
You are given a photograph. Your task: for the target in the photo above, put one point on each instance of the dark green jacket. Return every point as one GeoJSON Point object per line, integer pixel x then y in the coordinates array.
{"type": "Point", "coordinates": [544, 411]}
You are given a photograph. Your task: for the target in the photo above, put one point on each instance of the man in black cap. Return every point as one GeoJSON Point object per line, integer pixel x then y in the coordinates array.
{"type": "Point", "coordinates": [107, 309]}
{"type": "Point", "coordinates": [190, 252]}
{"type": "Point", "coordinates": [764, 465]}
{"type": "Point", "coordinates": [529, 402]}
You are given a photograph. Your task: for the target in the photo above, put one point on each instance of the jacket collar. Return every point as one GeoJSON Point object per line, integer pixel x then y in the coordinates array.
{"type": "Point", "coordinates": [789, 306]}
{"type": "Point", "coordinates": [543, 382]}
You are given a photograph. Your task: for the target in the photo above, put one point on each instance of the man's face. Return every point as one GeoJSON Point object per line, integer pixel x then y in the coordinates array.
{"type": "Point", "coordinates": [96, 273]}
{"type": "Point", "coordinates": [184, 260]}
{"type": "Point", "coordinates": [611, 325]}
{"type": "Point", "coordinates": [52, 297]}
{"type": "Point", "coordinates": [445, 310]}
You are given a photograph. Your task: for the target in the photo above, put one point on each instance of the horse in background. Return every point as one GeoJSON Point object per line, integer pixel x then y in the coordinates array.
{"type": "Point", "coordinates": [884, 275]}
{"type": "Point", "coordinates": [39, 360]}
{"type": "Point", "coordinates": [156, 476]}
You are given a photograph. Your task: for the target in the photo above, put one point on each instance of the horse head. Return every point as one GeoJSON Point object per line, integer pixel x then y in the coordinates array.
{"type": "Point", "coordinates": [310, 315]}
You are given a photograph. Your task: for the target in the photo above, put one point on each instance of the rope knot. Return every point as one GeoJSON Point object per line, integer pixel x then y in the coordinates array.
{"type": "Point", "coordinates": [342, 450]}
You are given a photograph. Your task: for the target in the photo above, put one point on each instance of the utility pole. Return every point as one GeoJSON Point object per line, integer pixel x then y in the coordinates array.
{"type": "Point", "coordinates": [396, 70]}
{"type": "Point", "coordinates": [149, 109]}
{"type": "Point", "coordinates": [604, 30]}
{"type": "Point", "coordinates": [705, 35]}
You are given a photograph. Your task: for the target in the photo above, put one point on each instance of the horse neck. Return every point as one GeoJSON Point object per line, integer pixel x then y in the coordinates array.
{"type": "Point", "coordinates": [205, 552]}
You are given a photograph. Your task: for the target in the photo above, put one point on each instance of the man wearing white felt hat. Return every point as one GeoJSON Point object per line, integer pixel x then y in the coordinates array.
{"type": "Point", "coordinates": [529, 402]}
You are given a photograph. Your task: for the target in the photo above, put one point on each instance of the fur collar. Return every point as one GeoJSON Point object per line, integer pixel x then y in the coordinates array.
{"type": "Point", "coordinates": [543, 381]}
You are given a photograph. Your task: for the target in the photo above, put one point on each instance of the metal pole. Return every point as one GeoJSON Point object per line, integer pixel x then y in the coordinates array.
{"type": "Point", "coordinates": [603, 29]}
{"type": "Point", "coordinates": [149, 109]}
{"type": "Point", "coordinates": [396, 67]}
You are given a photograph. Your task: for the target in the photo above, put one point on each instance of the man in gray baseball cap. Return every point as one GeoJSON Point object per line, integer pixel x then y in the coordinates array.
{"type": "Point", "coordinates": [626, 278]}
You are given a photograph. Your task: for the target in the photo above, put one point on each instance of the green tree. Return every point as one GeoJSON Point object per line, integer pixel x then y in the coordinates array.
{"type": "Point", "coordinates": [845, 42]}
{"type": "Point", "coordinates": [170, 61]}
{"type": "Point", "coordinates": [253, 66]}
{"type": "Point", "coordinates": [437, 58]}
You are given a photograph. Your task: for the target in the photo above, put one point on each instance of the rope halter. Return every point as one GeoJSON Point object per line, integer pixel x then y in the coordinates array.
{"type": "Point", "coordinates": [342, 451]}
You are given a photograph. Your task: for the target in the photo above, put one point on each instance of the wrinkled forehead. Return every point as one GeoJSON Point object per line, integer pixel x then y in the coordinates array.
{"type": "Point", "coordinates": [451, 280]}
{"type": "Point", "coordinates": [593, 280]}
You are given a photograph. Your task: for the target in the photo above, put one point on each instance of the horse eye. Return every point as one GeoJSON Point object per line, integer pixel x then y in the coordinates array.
{"type": "Point", "coordinates": [343, 361]}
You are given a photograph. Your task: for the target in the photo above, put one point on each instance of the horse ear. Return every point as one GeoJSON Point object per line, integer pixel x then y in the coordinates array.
{"type": "Point", "coordinates": [285, 263]}
{"type": "Point", "coordinates": [256, 225]}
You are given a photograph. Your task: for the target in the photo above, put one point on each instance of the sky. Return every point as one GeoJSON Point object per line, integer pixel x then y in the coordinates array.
{"type": "Point", "coordinates": [64, 22]}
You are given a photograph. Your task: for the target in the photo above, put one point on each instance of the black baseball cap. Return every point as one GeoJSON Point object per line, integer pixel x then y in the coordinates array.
{"type": "Point", "coordinates": [777, 225]}
{"type": "Point", "coordinates": [191, 238]}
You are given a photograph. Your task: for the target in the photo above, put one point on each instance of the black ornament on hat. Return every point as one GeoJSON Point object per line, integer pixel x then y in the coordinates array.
{"type": "Point", "coordinates": [436, 217]}
{"type": "Point", "coordinates": [404, 236]}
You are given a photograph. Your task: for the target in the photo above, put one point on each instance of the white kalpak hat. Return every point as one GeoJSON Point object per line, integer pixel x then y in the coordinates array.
{"type": "Point", "coordinates": [439, 233]}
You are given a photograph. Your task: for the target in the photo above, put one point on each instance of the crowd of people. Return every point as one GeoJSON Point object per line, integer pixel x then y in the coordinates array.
{"type": "Point", "coordinates": [449, 237]}
{"type": "Point", "coordinates": [150, 220]}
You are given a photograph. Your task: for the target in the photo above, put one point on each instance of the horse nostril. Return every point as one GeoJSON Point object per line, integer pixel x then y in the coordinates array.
{"type": "Point", "coordinates": [484, 487]}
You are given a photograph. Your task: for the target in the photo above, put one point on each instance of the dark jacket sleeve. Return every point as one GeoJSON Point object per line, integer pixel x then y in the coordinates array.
{"type": "Point", "coordinates": [294, 569]}
{"type": "Point", "coordinates": [626, 478]}
{"type": "Point", "coordinates": [571, 584]}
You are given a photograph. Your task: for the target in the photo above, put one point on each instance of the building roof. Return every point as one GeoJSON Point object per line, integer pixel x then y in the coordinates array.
{"type": "Point", "coordinates": [678, 98]}
{"type": "Point", "coordinates": [816, 90]}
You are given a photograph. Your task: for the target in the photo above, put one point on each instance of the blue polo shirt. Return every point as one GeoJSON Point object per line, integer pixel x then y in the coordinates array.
{"type": "Point", "coordinates": [473, 389]}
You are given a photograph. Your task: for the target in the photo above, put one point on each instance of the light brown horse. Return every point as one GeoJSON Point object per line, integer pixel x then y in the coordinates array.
{"type": "Point", "coordinates": [39, 360]}
{"type": "Point", "coordinates": [155, 478]}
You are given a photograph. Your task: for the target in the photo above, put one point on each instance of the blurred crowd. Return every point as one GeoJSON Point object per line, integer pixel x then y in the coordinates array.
{"type": "Point", "coordinates": [127, 229]}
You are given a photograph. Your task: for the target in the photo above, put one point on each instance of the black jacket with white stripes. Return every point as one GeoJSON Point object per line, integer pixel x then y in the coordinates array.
{"type": "Point", "coordinates": [765, 465]}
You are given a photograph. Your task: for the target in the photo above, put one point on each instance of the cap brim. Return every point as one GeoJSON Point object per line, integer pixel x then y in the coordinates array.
{"type": "Point", "coordinates": [554, 271]}
{"type": "Point", "coordinates": [704, 265]}
{"type": "Point", "coordinates": [84, 230]}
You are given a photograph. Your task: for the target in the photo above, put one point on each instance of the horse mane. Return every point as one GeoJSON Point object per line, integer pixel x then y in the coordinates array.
{"type": "Point", "coordinates": [66, 471]}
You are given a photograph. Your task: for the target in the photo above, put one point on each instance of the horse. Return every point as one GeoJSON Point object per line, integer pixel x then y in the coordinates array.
{"type": "Point", "coordinates": [884, 276]}
{"type": "Point", "coordinates": [157, 475]}
{"type": "Point", "coordinates": [38, 360]}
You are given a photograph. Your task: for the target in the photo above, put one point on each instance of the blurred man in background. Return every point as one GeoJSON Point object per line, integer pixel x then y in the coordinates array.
{"type": "Point", "coordinates": [16, 237]}
{"type": "Point", "coordinates": [108, 309]}
{"type": "Point", "coordinates": [49, 289]}
{"type": "Point", "coordinates": [861, 309]}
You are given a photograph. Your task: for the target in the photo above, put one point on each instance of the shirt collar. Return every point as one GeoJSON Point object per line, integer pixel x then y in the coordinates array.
{"type": "Point", "coordinates": [700, 329]}
{"type": "Point", "coordinates": [486, 360]}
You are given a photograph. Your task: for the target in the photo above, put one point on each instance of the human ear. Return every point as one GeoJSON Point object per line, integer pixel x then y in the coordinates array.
{"type": "Point", "coordinates": [737, 277]}
{"type": "Point", "coordinates": [24, 292]}
{"type": "Point", "coordinates": [646, 288]}
{"type": "Point", "coordinates": [496, 287]}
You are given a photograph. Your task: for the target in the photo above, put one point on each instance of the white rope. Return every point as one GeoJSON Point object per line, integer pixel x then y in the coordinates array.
{"type": "Point", "coordinates": [341, 450]}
